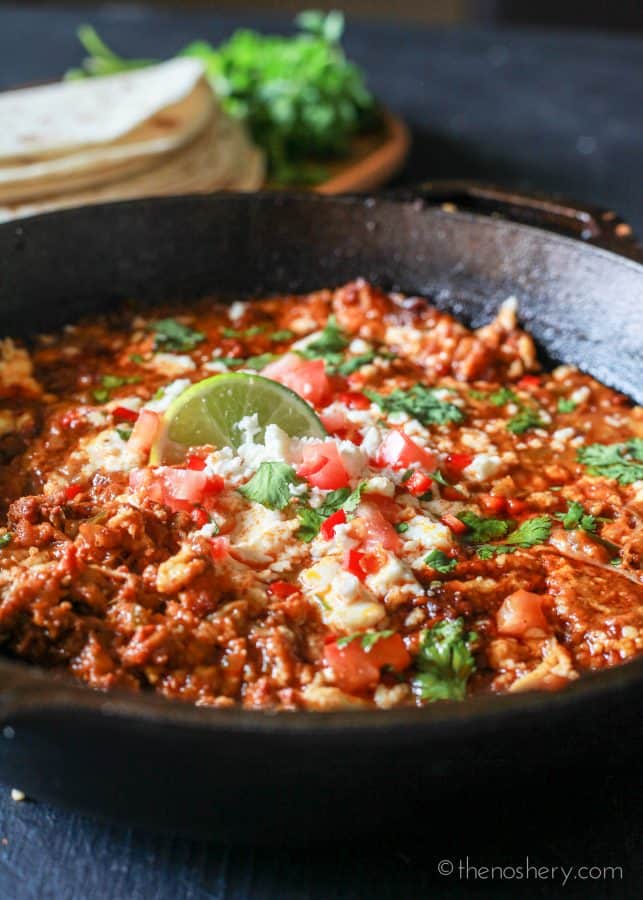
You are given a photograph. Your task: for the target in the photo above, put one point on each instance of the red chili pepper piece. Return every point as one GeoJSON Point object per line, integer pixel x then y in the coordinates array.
{"type": "Point", "coordinates": [528, 381]}
{"type": "Point", "coordinates": [354, 400]}
{"type": "Point", "coordinates": [328, 527]}
{"type": "Point", "coordinates": [125, 414]}
{"type": "Point", "coordinates": [419, 483]}
{"type": "Point", "coordinates": [72, 491]}
{"type": "Point", "coordinates": [353, 564]}
{"type": "Point", "coordinates": [282, 589]}
{"type": "Point", "coordinates": [195, 462]}
{"type": "Point", "coordinates": [452, 522]}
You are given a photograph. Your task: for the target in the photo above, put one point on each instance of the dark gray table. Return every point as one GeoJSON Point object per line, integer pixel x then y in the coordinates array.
{"type": "Point", "coordinates": [557, 112]}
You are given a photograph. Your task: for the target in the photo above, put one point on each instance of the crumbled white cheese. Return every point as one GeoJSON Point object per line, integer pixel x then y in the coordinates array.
{"type": "Point", "coordinates": [216, 366]}
{"type": "Point", "coordinates": [262, 535]}
{"type": "Point", "coordinates": [359, 346]}
{"type": "Point", "coordinates": [580, 394]}
{"type": "Point", "coordinates": [338, 545]}
{"type": "Point", "coordinates": [393, 574]}
{"type": "Point", "coordinates": [346, 604]}
{"type": "Point", "coordinates": [171, 364]}
{"type": "Point", "coordinates": [107, 452]}
{"type": "Point", "coordinates": [422, 536]}
{"type": "Point", "coordinates": [170, 392]}
{"type": "Point", "coordinates": [237, 310]}
{"type": "Point", "coordinates": [379, 485]}
{"type": "Point", "coordinates": [483, 467]}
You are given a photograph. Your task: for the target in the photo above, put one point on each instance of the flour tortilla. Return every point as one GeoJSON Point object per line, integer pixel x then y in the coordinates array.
{"type": "Point", "coordinates": [61, 118]}
{"type": "Point", "coordinates": [165, 131]}
{"type": "Point", "coordinates": [221, 158]}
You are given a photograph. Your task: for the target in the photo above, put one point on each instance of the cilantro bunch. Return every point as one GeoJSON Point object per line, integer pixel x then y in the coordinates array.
{"type": "Point", "coordinates": [299, 96]}
{"type": "Point", "coordinates": [444, 662]}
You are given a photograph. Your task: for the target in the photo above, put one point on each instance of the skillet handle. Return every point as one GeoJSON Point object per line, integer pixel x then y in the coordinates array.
{"type": "Point", "coordinates": [593, 225]}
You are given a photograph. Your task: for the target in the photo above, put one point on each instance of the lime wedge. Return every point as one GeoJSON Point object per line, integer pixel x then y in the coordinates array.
{"type": "Point", "coordinates": [208, 412]}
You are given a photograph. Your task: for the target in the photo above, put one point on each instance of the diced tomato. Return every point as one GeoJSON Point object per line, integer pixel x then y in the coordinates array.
{"type": "Point", "coordinates": [144, 432]}
{"type": "Point", "coordinates": [219, 548]}
{"type": "Point", "coordinates": [195, 462]}
{"type": "Point", "coordinates": [448, 492]}
{"type": "Point", "coordinates": [398, 451]}
{"type": "Point", "coordinates": [328, 527]}
{"type": "Point", "coordinates": [456, 462]}
{"type": "Point", "coordinates": [492, 504]}
{"type": "Point", "coordinates": [529, 381]}
{"type": "Point", "coordinates": [516, 506]}
{"type": "Point", "coordinates": [72, 491]}
{"type": "Point", "coordinates": [307, 377]}
{"type": "Point", "coordinates": [354, 400]}
{"type": "Point", "coordinates": [199, 516]}
{"type": "Point", "coordinates": [322, 467]}
{"type": "Point", "coordinates": [356, 669]}
{"type": "Point", "coordinates": [521, 613]}
{"type": "Point", "coordinates": [379, 530]}
{"type": "Point", "coordinates": [419, 483]}
{"type": "Point", "coordinates": [386, 505]}
{"type": "Point", "coordinates": [125, 414]}
{"type": "Point", "coordinates": [180, 489]}
{"type": "Point", "coordinates": [452, 522]}
{"type": "Point", "coordinates": [147, 481]}
{"type": "Point", "coordinates": [353, 564]}
{"type": "Point", "coordinates": [282, 589]}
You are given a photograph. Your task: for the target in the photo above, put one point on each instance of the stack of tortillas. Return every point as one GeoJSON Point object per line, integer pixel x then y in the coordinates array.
{"type": "Point", "coordinates": [151, 131]}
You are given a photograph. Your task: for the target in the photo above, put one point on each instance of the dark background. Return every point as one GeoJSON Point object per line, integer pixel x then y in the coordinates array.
{"type": "Point", "coordinates": [554, 110]}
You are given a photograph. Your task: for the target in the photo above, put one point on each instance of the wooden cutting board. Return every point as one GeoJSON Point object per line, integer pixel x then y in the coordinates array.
{"type": "Point", "coordinates": [374, 159]}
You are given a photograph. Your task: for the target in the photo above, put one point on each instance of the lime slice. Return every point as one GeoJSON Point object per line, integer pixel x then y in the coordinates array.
{"type": "Point", "coordinates": [208, 412]}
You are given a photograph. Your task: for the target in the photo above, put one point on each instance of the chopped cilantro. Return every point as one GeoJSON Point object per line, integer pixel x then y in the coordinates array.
{"type": "Point", "coordinates": [137, 358]}
{"type": "Point", "coordinates": [5, 539]}
{"type": "Point", "coordinates": [525, 419]}
{"type": "Point", "coordinates": [440, 561]}
{"type": "Point", "coordinates": [483, 530]}
{"type": "Point", "coordinates": [172, 335]}
{"type": "Point", "coordinates": [270, 485]}
{"type": "Point", "coordinates": [329, 344]}
{"type": "Point", "coordinates": [253, 331]}
{"type": "Point", "coordinates": [621, 462]}
{"type": "Point", "coordinates": [565, 405]}
{"type": "Point", "coordinates": [124, 433]}
{"type": "Point", "coordinates": [259, 362]}
{"type": "Point", "coordinates": [420, 403]}
{"type": "Point", "coordinates": [367, 639]}
{"type": "Point", "coordinates": [477, 395]}
{"type": "Point", "coordinates": [577, 518]}
{"type": "Point", "coordinates": [310, 522]}
{"type": "Point", "coordinates": [444, 662]}
{"type": "Point", "coordinates": [311, 519]}
{"type": "Point", "coordinates": [352, 365]}
{"type": "Point", "coordinates": [528, 534]}
{"type": "Point", "coordinates": [503, 396]}
{"type": "Point", "coordinates": [401, 527]}
{"type": "Point", "coordinates": [284, 335]}
{"type": "Point", "coordinates": [109, 382]}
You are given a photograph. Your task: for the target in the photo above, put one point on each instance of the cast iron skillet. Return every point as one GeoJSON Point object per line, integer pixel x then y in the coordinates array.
{"type": "Point", "coordinates": [262, 776]}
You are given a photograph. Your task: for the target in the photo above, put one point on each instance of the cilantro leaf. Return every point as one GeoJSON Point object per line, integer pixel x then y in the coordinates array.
{"type": "Point", "coordinates": [284, 335]}
{"type": "Point", "coordinates": [440, 561]}
{"type": "Point", "coordinates": [109, 382]}
{"type": "Point", "coordinates": [310, 521]}
{"type": "Point", "coordinates": [420, 403]}
{"type": "Point", "coordinates": [172, 335]}
{"type": "Point", "coordinates": [444, 662]}
{"type": "Point", "coordinates": [577, 518]}
{"type": "Point", "coordinates": [329, 344]}
{"type": "Point", "coordinates": [5, 539]}
{"type": "Point", "coordinates": [259, 362]}
{"type": "Point", "coordinates": [253, 331]}
{"type": "Point", "coordinates": [482, 530]}
{"type": "Point", "coordinates": [269, 485]}
{"type": "Point", "coordinates": [352, 365]}
{"type": "Point", "coordinates": [503, 396]}
{"type": "Point", "coordinates": [621, 462]}
{"type": "Point", "coordinates": [367, 639]}
{"type": "Point", "coordinates": [528, 534]}
{"type": "Point", "coordinates": [524, 419]}
{"type": "Point", "coordinates": [565, 405]}
{"type": "Point", "coordinates": [124, 433]}
{"type": "Point", "coordinates": [401, 527]}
